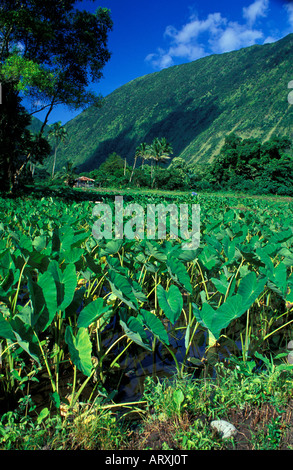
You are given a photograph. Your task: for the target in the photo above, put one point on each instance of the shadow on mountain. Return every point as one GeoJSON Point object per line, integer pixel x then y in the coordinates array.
{"type": "Point", "coordinates": [185, 123]}
{"type": "Point", "coordinates": [179, 127]}
{"type": "Point", "coordinates": [123, 145]}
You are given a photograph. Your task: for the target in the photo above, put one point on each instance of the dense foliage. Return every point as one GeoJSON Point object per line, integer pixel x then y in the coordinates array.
{"type": "Point", "coordinates": [194, 106]}
{"type": "Point", "coordinates": [249, 165]}
{"type": "Point", "coordinates": [72, 308]}
{"type": "Point", "coordinates": [243, 165]}
{"type": "Point", "coordinates": [39, 61]}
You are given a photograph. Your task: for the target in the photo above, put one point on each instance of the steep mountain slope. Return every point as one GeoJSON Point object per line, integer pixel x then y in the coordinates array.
{"type": "Point", "coordinates": [193, 105]}
{"type": "Point", "coordinates": [36, 125]}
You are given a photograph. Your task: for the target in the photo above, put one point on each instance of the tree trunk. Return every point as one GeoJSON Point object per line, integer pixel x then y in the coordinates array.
{"type": "Point", "coordinates": [54, 162]}
{"type": "Point", "coordinates": [130, 179]}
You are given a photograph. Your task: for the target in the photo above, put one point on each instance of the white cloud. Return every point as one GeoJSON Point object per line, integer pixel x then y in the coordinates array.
{"type": "Point", "coordinates": [289, 9]}
{"type": "Point", "coordinates": [256, 9]}
{"type": "Point", "coordinates": [213, 34]}
{"type": "Point", "coordinates": [234, 37]}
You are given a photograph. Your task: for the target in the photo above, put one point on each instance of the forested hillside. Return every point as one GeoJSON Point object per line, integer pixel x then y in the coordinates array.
{"type": "Point", "coordinates": [194, 106]}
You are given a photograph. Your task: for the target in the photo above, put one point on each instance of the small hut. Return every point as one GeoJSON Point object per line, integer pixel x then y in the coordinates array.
{"type": "Point", "coordinates": [84, 182]}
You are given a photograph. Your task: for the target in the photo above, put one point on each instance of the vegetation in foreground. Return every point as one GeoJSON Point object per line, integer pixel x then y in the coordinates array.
{"type": "Point", "coordinates": [74, 311]}
{"type": "Point", "coordinates": [172, 415]}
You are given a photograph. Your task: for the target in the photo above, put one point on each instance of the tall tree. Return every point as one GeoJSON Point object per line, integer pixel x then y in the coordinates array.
{"type": "Point", "coordinates": [142, 151]}
{"type": "Point", "coordinates": [160, 151]}
{"type": "Point", "coordinates": [16, 141]}
{"type": "Point", "coordinates": [50, 52]}
{"type": "Point", "coordinates": [59, 134]}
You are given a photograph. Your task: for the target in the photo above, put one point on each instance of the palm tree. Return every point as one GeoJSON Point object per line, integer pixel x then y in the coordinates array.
{"type": "Point", "coordinates": [160, 150]}
{"type": "Point", "coordinates": [59, 133]}
{"type": "Point", "coordinates": [142, 151]}
{"type": "Point", "coordinates": [68, 173]}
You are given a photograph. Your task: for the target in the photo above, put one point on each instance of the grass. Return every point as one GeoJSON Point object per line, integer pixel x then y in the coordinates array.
{"type": "Point", "coordinates": [175, 415]}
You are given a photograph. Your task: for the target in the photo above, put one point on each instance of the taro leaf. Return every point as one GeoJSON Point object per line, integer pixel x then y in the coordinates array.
{"type": "Point", "coordinates": [6, 330]}
{"type": "Point", "coordinates": [25, 337]}
{"type": "Point", "coordinates": [171, 302]}
{"type": "Point", "coordinates": [229, 248]}
{"type": "Point", "coordinates": [155, 326]}
{"type": "Point", "coordinates": [216, 320]}
{"type": "Point", "coordinates": [153, 249]}
{"type": "Point", "coordinates": [65, 281]}
{"type": "Point", "coordinates": [122, 288]}
{"type": "Point", "coordinates": [179, 273]}
{"type": "Point", "coordinates": [92, 312]}
{"type": "Point", "coordinates": [208, 258]}
{"type": "Point", "coordinates": [39, 243]}
{"type": "Point", "coordinates": [279, 279]}
{"type": "Point", "coordinates": [134, 329]}
{"type": "Point", "coordinates": [289, 294]}
{"type": "Point", "coordinates": [111, 247]}
{"type": "Point", "coordinates": [250, 288]}
{"type": "Point", "coordinates": [264, 257]}
{"type": "Point", "coordinates": [281, 237]}
{"type": "Point", "coordinates": [80, 349]}
{"type": "Point", "coordinates": [62, 239]}
{"type": "Point", "coordinates": [44, 300]}
{"type": "Point", "coordinates": [187, 255]}
{"type": "Point", "coordinates": [221, 284]}
{"type": "Point", "coordinates": [72, 256]}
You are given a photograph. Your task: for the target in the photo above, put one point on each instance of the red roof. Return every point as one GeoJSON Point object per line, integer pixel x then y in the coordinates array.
{"type": "Point", "coordinates": [84, 178]}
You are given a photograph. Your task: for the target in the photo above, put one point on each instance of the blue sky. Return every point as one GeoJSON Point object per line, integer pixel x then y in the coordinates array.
{"type": "Point", "coordinates": [149, 35]}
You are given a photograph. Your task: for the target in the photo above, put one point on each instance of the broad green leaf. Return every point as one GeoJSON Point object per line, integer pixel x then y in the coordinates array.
{"type": "Point", "coordinates": [134, 329]}
{"type": "Point", "coordinates": [44, 300]}
{"type": "Point", "coordinates": [122, 288]}
{"type": "Point", "coordinates": [39, 242]}
{"type": "Point", "coordinates": [208, 258]}
{"type": "Point", "coordinates": [66, 282]}
{"type": "Point", "coordinates": [153, 249]}
{"type": "Point", "coordinates": [179, 273]}
{"type": "Point", "coordinates": [221, 284]}
{"type": "Point", "coordinates": [6, 330]}
{"type": "Point", "coordinates": [155, 326]}
{"type": "Point", "coordinates": [171, 302]}
{"type": "Point", "coordinates": [178, 397]}
{"type": "Point", "coordinates": [250, 289]}
{"type": "Point", "coordinates": [216, 320]}
{"type": "Point", "coordinates": [80, 349]}
{"type": "Point", "coordinates": [111, 247]}
{"type": "Point", "coordinates": [25, 337]}
{"type": "Point", "coordinates": [92, 312]}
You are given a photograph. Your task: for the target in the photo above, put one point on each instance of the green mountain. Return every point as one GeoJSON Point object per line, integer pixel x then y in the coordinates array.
{"type": "Point", "coordinates": [194, 105]}
{"type": "Point", "coordinates": [35, 126]}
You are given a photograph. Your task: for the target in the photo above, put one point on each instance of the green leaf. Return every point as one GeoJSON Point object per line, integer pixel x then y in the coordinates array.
{"type": "Point", "coordinates": [122, 288]}
{"type": "Point", "coordinates": [134, 329]}
{"type": "Point", "coordinates": [250, 288]}
{"type": "Point", "coordinates": [170, 302]}
{"type": "Point", "coordinates": [216, 320]}
{"type": "Point", "coordinates": [178, 397]}
{"type": "Point", "coordinates": [80, 349]}
{"type": "Point", "coordinates": [66, 282]}
{"type": "Point", "coordinates": [179, 273]}
{"type": "Point", "coordinates": [92, 312]}
{"type": "Point", "coordinates": [25, 337]}
{"type": "Point", "coordinates": [155, 326]}
{"type": "Point", "coordinates": [208, 258]}
{"type": "Point", "coordinates": [5, 329]}
{"type": "Point", "coordinates": [39, 243]}
{"type": "Point", "coordinates": [44, 300]}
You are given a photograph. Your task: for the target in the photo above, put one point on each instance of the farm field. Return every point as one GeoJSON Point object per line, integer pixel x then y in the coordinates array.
{"type": "Point", "coordinates": [128, 331]}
